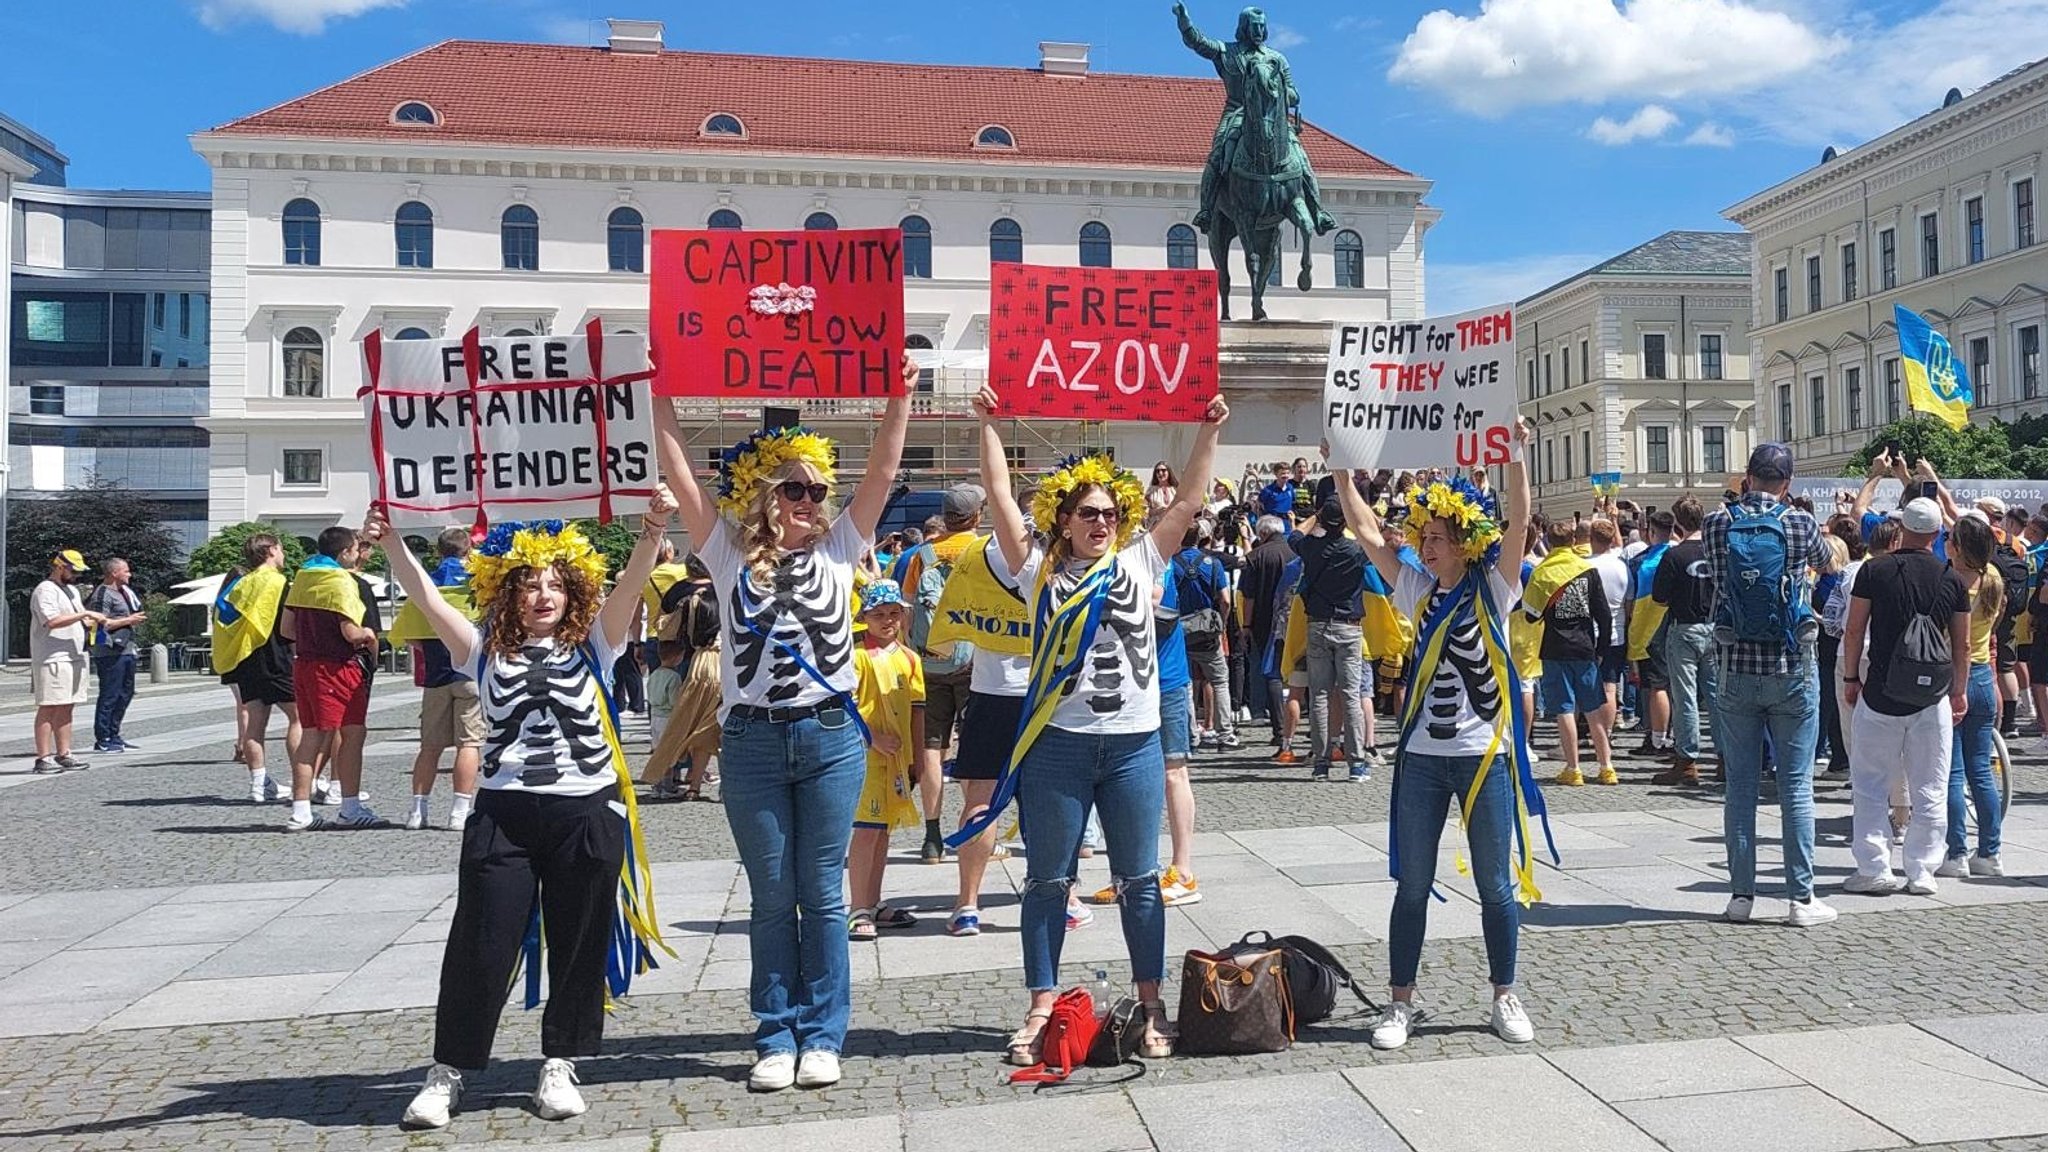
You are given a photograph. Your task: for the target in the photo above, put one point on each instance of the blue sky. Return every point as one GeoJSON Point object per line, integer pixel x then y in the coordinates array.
{"type": "Point", "coordinates": [1558, 132]}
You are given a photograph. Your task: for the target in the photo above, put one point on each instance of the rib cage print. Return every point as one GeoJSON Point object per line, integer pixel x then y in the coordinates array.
{"type": "Point", "coordinates": [1120, 638]}
{"type": "Point", "coordinates": [1462, 672]}
{"type": "Point", "coordinates": [543, 719]}
{"type": "Point", "coordinates": [802, 611]}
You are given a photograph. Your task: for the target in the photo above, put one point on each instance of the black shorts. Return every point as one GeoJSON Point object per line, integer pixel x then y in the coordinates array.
{"type": "Point", "coordinates": [1650, 671]}
{"type": "Point", "coordinates": [2037, 660]}
{"type": "Point", "coordinates": [260, 684]}
{"type": "Point", "coordinates": [944, 699]}
{"type": "Point", "coordinates": [1613, 663]}
{"type": "Point", "coordinates": [988, 733]}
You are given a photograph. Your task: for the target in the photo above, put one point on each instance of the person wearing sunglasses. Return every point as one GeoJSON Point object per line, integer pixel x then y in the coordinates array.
{"type": "Point", "coordinates": [781, 556]}
{"type": "Point", "coordinates": [1090, 734]}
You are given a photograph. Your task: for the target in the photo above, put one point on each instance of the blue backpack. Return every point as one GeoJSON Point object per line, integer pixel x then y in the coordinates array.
{"type": "Point", "coordinates": [1762, 602]}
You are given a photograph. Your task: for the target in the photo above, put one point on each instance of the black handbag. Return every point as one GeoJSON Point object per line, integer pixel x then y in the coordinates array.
{"type": "Point", "coordinates": [1314, 974]}
{"type": "Point", "coordinates": [1122, 1031]}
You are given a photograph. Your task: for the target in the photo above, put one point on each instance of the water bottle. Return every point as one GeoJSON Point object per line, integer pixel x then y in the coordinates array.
{"type": "Point", "coordinates": [1100, 989]}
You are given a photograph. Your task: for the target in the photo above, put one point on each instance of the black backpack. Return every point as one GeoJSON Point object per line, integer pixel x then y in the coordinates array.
{"type": "Point", "coordinates": [1920, 673]}
{"type": "Point", "coordinates": [1314, 974]}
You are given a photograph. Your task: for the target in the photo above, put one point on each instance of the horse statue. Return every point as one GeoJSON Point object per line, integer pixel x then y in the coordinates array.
{"type": "Point", "coordinates": [1257, 177]}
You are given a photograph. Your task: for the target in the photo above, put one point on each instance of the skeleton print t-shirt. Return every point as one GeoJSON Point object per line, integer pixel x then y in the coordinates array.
{"type": "Point", "coordinates": [809, 609]}
{"type": "Point", "coordinates": [1117, 689]}
{"type": "Point", "coordinates": [543, 718]}
{"type": "Point", "coordinates": [1462, 701]}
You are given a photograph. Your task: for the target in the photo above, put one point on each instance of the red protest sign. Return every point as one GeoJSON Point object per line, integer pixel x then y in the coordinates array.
{"type": "Point", "coordinates": [787, 315]}
{"type": "Point", "coordinates": [1102, 343]}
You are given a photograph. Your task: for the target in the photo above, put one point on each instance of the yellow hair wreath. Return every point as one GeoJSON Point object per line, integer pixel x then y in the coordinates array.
{"type": "Point", "coordinates": [1079, 471]}
{"type": "Point", "coordinates": [748, 464]}
{"type": "Point", "coordinates": [1456, 502]}
{"type": "Point", "coordinates": [539, 544]}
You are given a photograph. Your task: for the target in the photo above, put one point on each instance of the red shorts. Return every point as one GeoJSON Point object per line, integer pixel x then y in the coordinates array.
{"type": "Point", "coordinates": [330, 695]}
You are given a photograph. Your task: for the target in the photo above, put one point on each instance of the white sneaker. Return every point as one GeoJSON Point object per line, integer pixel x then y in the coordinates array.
{"type": "Point", "coordinates": [1883, 885]}
{"type": "Point", "coordinates": [436, 1100]}
{"type": "Point", "coordinates": [1953, 868]}
{"type": "Point", "coordinates": [1986, 866]}
{"type": "Point", "coordinates": [415, 819]}
{"type": "Point", "coordinates": [819, 1068]}
{"type": "Point", "coordinates": [1739, 909]}
{"type": "Point", "coordinates": [556, 1097]}
{"type": "Point", "coordinates": [1810, 913]}
{"type": "Point", "coordinates": [773, 1072]}
{"type": "Point", "coordinates": [1511, 1021]}
{"type": "Point", "coordinates": [273, 791]}
{"type": "Point", "coordinates": [1391, 1031]}
{"type": "Point", "coordinates": [326, 793]}
{"type": "Point", "coordinates": [1925, 886]}
{"type": "Point", "coordinates": [456, 821]}
{"type": "Point", "coordinates": [294, 824]}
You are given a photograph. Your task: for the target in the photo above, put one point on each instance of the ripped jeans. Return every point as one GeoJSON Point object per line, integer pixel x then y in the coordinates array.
{"type": "Point", "coordinates": [1123, 777]}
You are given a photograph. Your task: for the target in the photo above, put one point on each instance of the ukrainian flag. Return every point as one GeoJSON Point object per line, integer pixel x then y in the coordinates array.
{"type": "Point", "coordinates": [1935, 379]}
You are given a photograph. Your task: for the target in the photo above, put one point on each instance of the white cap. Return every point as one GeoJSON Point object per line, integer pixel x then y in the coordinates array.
{"type": "Point", "coordinates": [1991, 506]}
{"type": "Point", "coordinates": [1922, 517]}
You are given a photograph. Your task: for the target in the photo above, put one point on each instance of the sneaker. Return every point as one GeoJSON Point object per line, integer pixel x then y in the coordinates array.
{"type": "Point", "coordinates": [1862, 885]}
{"type": "Point", "coordinates": [110, 749]}
{"type": "Point", "coordinates": [436, 1099]}
{"type": "Point", "coordinates": [556, 1097]}
{"type": "Point", "coordinates": [1953, 868]}
{"type": "Point", "coordinates": [1391, 1031]}
{"type": "Point", "coordinates": [294, 824]}
{"type": "Point", "coordinates": [1229, 742]}
{"type": "Point", "coordinates": [1177, 888]}
{"type": "Point", "coordinates": [274, 791]}
{"type": "Point", "coordinates": [1810, 913]}
{"type": "Point", "coordinates": [47, 766]}
{"type": "Point", "coordinates": [1986, 866]}
{"type": "Point", "coordinates": [1358, 775]}
{"type": "Point", "coordinates": [1739, 909]}
{"type": "Point", "coordinates": [1372, 756]}
{"type": "Point", "coordinates": [1683, 774]}
{"type": "Point", "coordinates": [933, 852]}
{"type": "Point", "coordinates": [1105, 896]}
{"type": "Point", "coordinates": [1924, 886]}
{"type": "Point", "coordinates": [1511, 1021]}
{"type": "Point", "coordinates": [127, 745]}
{"type": "Point", "coordinates": [1608, 775]}
{"type": "Point", "coordinates": [1570, 778]}
{"type": "Point", "coordinates": [819, 1068]}
{"type": "Point", "coordinates": [326, 793]}
{"type": "Point", "coordinates": [415, 819]}
{"type": "Point", "coordinates": [1078, 917]}
{"type": "Point", "coordinates": [1285, 756]}
{"type": "Point", "coordinates": [1319, 772]}
{"type": "Point", "coordinates": [71, 763]}
{"type": "Point", "coordinates": [773, 1072]}
{"type": "Point", "coordinates": [457, 820]}
{"type": "Point", "coordinates": [1207, 739]}
{"type": "Point", "coordinates": [362, 817]}
{"type": "Point", "coordinates": [1647, 750]}
{"type": "Point", "coordinates": [964, 922]}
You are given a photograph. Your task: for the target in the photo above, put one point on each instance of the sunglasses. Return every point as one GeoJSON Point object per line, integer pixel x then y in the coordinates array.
{"type": "Point", "coordinates": [796, 491]}
{"type": "Point", "coordinates": [1092, 513]}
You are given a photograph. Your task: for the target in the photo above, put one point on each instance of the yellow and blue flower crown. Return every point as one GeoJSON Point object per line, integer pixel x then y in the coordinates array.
{"type": "Point", "coordinates": [746, 465]}
{"type": "Point", "coordinates": [530, 544]}
{"type": "Point", "coordinates": [1458, 503]}
{"type": "Point", "coordinates": [1078, 471]}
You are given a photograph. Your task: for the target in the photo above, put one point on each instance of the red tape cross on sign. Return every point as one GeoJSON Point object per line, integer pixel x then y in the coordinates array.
{"type": "Point", "coordinates": [1102, 343]}
{"type": "Point", "coordinates": [794, 315]}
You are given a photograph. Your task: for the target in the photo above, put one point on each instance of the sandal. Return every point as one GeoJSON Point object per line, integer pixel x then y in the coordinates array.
{"type": "Point", "coordinates": [1158, 1039]}
{"type": "Point", "coordinates": [861, 924]}
{"type": "Point", "coordinates": [893, 918]}
{"type": "Point", "coordinates": [1025, 1042]}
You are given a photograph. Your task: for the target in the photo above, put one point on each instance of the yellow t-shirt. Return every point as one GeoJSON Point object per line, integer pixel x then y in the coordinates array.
{"type": "Point", "coordinates": [1981, 628]}
{"type": "Point", "coordinates": [889, 683]}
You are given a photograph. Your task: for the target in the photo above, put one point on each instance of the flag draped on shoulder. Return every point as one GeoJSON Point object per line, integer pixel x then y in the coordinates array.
{"type": "Point", "coordinates": [979, 608]}
{"type": "Point", "coordinates": [1935, 382]}
{"type": "Point", "coordinates": [411, 625]}
{"type": "Point", "coordinates": [325, 586]}
{"type": "Point", "coordinates": [244, 613]}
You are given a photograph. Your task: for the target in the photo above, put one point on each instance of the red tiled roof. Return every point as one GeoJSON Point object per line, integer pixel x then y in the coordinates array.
{"type": "Point", "coordinates": [552, 95]}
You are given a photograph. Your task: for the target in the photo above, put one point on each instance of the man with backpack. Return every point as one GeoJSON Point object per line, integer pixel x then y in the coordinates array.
{"type": "Point", "coordinates": [1203, 587]}
{"type": "Point", "coordinates": [1332, 595]}
{"type": "Point", "coordinates": [946, 674]}
{"type": "Point", "coordinates": [1761, 552]}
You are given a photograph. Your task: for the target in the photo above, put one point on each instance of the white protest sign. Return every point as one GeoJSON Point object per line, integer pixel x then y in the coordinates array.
{"type": "Point", "coordinates": [510, 428]}
{"type": "Point", "coordinates": [1422, 393]}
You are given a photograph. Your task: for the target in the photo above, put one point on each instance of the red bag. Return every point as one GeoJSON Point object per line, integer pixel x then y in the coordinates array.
{"type": "Point", "coordinates": [1066, 1041]}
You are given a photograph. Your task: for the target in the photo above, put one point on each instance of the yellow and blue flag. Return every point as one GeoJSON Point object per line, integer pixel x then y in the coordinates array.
{"type": "Point", "coordinates": [1935, 380]}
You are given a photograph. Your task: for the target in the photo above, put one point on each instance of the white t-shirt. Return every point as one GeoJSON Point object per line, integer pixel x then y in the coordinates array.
{"type": "Point", "coordinates": [1614, 582]}
{"type": "Point", "coordinates": [543, 718]}
{"type": "Point", "coordinates": [49, 601]}
{"type": "Point", "coordinates": [1463, 700]}
{"type": "Point", "coordinates": [1117, 689]}
{"type": "Point", "coordinates": [810, 609]}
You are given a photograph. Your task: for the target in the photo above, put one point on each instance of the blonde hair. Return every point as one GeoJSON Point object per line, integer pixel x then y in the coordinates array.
{"type": "Point", "coordinates": [760, 535]}
{"type": "Point", "coordinates": [1836, 550]}
{"type": "Point", "coordinates": [1970, 544]}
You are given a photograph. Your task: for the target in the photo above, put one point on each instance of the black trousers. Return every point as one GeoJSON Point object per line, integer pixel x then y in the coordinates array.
{"type": "Point", "coordinates": [629, 687]}
{"type": "Point", "coordinates": [519, 848]}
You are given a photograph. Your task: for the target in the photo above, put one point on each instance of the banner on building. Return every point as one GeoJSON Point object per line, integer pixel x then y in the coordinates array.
{"type": "Point", "coordinates": [1422, 393]}
{"type": "Point", "coordinates": [1102, 343]}
{"type": "Point", "coordinates": [1833, 494]}
{"type": "Point", "coordinates": [809, 315]}
{"type": "Point", "coordinates": [474, 430]}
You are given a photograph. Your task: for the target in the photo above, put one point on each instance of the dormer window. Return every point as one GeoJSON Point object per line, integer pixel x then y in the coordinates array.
{"type": "Point", "coordinates": [415, 112]}
{"type": "Point", "coordinates": [724, 124]}
{"type": "Point", "coordinates": [995, 136]}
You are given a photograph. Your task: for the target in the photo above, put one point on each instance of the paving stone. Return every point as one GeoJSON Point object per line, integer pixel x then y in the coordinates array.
{"type": "Point", "coordinates": [1679, 1068]}
{"type": "Point", "coordinates": [74, 915]}
{"type": "Point", "coordinates": [193, 924]}
{"type": "Point", "coordinates": [1759, 1119]}
{"type": "Point", "coordinates": [49, 1017]}
{"type": "Point", "coordinates": [1369, 907]}
{"type": "Point", "coordinates": [298, 945]}
{"type": "Point", "coordinates": [255, 890]}
{"type": "Point", "coordinates": [357, 895]}
{"type": "Point", "coordinates": [2019, 1042]}
{"type": "Point", "coordinates": [1298, 1113]}
{"type": "Point", "coordinates": [402, 976]}
{"type": "Point", "coordinates": [124, 974]}
{"type": "Point", "coordinates": [1432, 1106]}
{"type": "Point", "coordinates": [870, 1134]}
{"type": "Point", "coordinates": [2001, 1103]}
{"type": "Point", "coordinates": [1101, 1123]}
{"type": "Point", "coordinates": [1302, 847]}
{"type": "Point", "coordinates": [221, 1001]}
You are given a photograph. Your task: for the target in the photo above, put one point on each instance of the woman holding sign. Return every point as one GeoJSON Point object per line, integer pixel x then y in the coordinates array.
{"type": "Point", "coordinates": [1091, 712]}
{"type": "Point", "coordinates": [1463, 729]}
{"type": "Point", "coordinates": [782, 558]}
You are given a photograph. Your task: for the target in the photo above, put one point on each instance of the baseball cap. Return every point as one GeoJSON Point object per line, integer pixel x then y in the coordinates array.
{"type": "Point", "coordinates": [962, 502]}
{"type": "Point", "coordinates": [1921, 517]}
{"type": "Point", "coordinates": [1771, 462]}
{"type": "Point", "coordinates": [1331, 515]}
{"type": "Point", "coordinates": [72, 559]}
{"type": "Point", "coordinates": [881, 594]}
{"type": "Point", "coordinates": [1991, 506]}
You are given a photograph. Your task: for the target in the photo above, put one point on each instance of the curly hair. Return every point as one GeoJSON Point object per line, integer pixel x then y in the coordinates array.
{"type": "Point", "coordinates": [760, 534]}
{"type": "Point", "coordinates": [505, 625]}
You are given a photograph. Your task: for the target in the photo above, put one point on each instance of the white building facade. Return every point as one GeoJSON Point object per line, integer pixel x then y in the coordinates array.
{"type": "Point", "coordinates": [1939, 215]}
{"type": "Point", "coordinates": [420, 199]}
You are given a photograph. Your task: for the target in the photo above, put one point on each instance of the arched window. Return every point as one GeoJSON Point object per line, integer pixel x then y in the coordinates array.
{"type": "Point", "coordinates": [625, 240]}
{"type": "Point", "coordinates": [725, 219]}
{"type": "Point", "coordinates": [917, 247]}
{"type": "Point", "coordinates": [519, 235]}
{"type": "Point", "coordinates": [1350, 260]}
{"type": "Point", "coordinates": [302, 233]}
{"type": "Point", "coordinates": [412, 334]}
{"type": "Point", "coordinates": [305, 364]}
{"type": "Point", "coordinates": [724, 124]}
{"type": "Point", "coordinates": [926, 377]}
{"type": "Point", "coordinates": [518, 332]}
{"type": "Point", "coordinates": [995, 136]}
{"type": "Point", "coordinates": [415, 225]}
{"type": "Point", "coordinates": [415, 112]}
{"type": "Point", "coordinates": [1095, 249]}
{"type": "Point", "coordinates": [820, 222]}
{"type": "Point", "coordinates": [1180, 247]}
{"type": "Point", "coordinates": [1006, 242]}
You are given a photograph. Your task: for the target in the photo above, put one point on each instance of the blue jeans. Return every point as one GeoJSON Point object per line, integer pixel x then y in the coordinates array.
{"type": "Point", "coordinates": [790, 791]}
{"type": "Point", "coordinates": [1971, 761]}
{"type": "Point", "coordinates": [1424, 789]}
{"type": "Point", "coordinates": [1786, 710]}
{"type": "Point", "coordinates": [117, 690]}
{"type": "Point", "coordinates": [1123, 777]}
{"type": "Point", "coordinates": [1689, 662]}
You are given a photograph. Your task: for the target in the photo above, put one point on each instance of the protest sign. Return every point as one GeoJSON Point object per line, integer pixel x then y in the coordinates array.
{"type": "Point", "coordinates": [471, 430]}
{"type": "Point", "coordinates": [1422, 393]}
{"type": "Point", "coordinates": [1102, 343]}
{"type": "Point", "coordinates": [816, 314]}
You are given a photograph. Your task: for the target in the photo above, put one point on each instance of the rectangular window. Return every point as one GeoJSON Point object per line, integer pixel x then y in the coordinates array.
{"type": "Point", "coordinates": [920, 456]}
{"type": "Point", "coordinates": [2030, 362]}
{"type": "Point", "coordinates": [1891, 389]}
{"type": "Point", "coordinates": [1817, 392]}
{"type": "Point", "coordinates": [1852, 386]}
{"type": "Point", "coordinates": [1657, 442]}
{"type": "Point", "coordinates": [1781, 294]}
{"type": "Point", "coordinates": [46, 400]}
{"type": "Point", "coordinates": [1564, 364]}
{"type": "Point", "coordinates": [1710, 356]}
{"type": "Point", "coordinates": [1849, 287]}
{"type": "Point", "coordinates": [184, 315]}
{"type": "Point", "coordinates": [1532, 377]}
{"type": "Point", "coordinates": [302, 468]}
{"type": "Point", "coordinates": [2023, 214]}
{"type": "Point", "coordinates": [1586, 450]}
{"type": "Point", "coordinates": [1980, 368]}
{"type": "Point", "coordinates": [1973, 228]}
{"type": "Point", "coordinates": [1547, 380]}
{"type": "Point", "coordinates": [1018, 455]}
{"type": "Point", "coordinates": [1567, 454]}
{"type": "Point", "coordinates": [61, 329]}
{"type": "Point", "coordinates": [1813, 283]}
{"type": "Point", "coordinates": [1930, 244]}
{"type": "Point", "coordinates": [1549, 460]}
{"type": "Point", "coordinates": [1653, 356]}
{"type": "Point", "coordinates": [1784, 412]}
{"type": "Point", "coordinates": [156, 313]}
{"type": "Point", "coordinates": [1585, 360]}
{"type": "Point", "coordinates": [1888, 259]}
{"type": "Point", "coordinates": [1714, 448]}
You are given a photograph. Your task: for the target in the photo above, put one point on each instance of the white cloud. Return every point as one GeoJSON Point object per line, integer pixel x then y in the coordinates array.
{"type": "Point", "coordinates": [1285, 38]}
{"type": "Point", "coordinates": [1711, 135]}
{"type": "Point", "coordinates": [1517, 53]}
{"type": "Point", "coordinates": [1462, 287]}
{"type": "Point", "coordinates": [1649, 122]}
{"type": "Point", "coordinates": [557, 29]}
{"type": "Point", "coordinates": [304, 17]}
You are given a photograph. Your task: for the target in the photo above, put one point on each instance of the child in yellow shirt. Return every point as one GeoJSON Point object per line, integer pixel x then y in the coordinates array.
{"type": "Point", "coordinates": [890, 695]}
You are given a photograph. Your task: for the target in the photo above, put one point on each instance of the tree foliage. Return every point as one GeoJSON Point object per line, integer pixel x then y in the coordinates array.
{"type": "Point", "coordinates": [224, 551]}
{"type": "Point", "coordinates": [100, 518]}
{"type": "Point", "coordinates": [615, 540]}
{"type": "Point", "coordinates": [1977, 451]}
